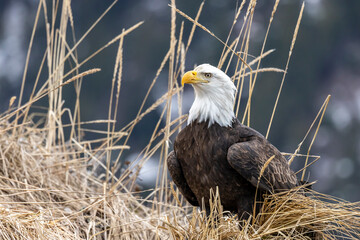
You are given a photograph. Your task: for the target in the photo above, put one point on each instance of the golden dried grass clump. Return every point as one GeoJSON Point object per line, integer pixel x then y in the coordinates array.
{"type": "Point", "coordinates": [59, 186]}
{"type": "Point", "coordinates": [287, 215]}
{"type": "Point", "coordinates": [52, 194]}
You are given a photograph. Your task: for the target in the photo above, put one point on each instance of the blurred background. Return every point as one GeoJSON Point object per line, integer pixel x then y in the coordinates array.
{"type": "Point", "coordinates": [326, 60]}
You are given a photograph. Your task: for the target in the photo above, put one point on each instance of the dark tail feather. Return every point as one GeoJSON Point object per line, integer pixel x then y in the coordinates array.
{"type": "Point", "coordinates": [306, 186]}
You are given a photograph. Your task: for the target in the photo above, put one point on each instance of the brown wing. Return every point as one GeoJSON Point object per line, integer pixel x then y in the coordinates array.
{"type": "Point", "coordinates": [248, 158]}
{"type": "Point", "coordinates": [179, 179]}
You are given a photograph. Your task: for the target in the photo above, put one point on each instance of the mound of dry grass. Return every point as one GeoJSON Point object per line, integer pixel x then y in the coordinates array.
{"type": "Point", "coordinates": [288, 215]}
{"type": "Point", "coordinates": [57, 187]}
{"type": "Point", "coordinates": [53, 193]}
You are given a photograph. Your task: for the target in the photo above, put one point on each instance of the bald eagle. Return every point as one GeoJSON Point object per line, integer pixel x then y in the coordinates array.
{"type": "Point", "coordinates": [216, 150]}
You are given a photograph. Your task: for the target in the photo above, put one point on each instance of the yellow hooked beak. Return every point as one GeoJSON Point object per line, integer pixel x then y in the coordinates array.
{"type": "Point", "coordinates": [191, 78]}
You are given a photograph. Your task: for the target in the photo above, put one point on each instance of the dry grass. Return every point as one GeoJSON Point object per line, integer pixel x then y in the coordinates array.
{"type": "Point", "coordinates": [284, 216]}
{"type": "Point", "coordinates": [54, 187]}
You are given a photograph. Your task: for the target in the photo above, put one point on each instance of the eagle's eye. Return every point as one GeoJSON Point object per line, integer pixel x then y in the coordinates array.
{"type": "Point", "coordinates": [208, 75]}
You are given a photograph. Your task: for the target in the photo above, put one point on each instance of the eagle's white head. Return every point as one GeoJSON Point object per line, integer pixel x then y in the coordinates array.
{"type": "Point", "coordinates": [214, 95]}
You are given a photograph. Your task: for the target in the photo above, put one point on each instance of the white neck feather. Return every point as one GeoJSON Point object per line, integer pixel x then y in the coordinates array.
{"type": "Point", "coordinates": [214, 105]}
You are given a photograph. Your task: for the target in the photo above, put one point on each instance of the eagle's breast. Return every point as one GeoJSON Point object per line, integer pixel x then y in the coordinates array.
{"type": "Point", "coordinates": [202, 151]}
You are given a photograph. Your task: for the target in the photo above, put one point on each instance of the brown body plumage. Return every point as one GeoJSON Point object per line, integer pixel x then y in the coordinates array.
{"type": "Point", "coordinates": [216, 150]}
{"type": "Point", "coordinates": [229, 158]}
